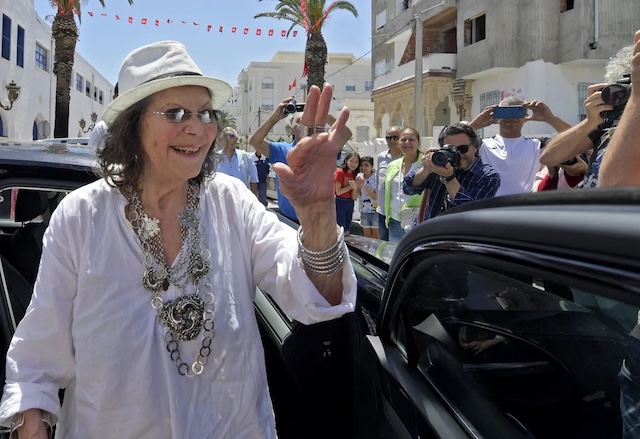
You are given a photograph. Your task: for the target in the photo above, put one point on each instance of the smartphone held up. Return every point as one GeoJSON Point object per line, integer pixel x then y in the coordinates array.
{"type": "Point", "coordinates": [510, 112]}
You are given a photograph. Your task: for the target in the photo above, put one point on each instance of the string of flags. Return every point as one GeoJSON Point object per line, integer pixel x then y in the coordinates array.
{"type": "Point", "coordinates": [209, 27]}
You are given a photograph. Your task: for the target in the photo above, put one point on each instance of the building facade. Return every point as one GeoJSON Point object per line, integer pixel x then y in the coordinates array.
{"type": "Point", "coordinates": [263, 85]}
{"type": "Point", "coordinates": [26, 58]}
{"type": "Point", "coordinates": [478, 52]}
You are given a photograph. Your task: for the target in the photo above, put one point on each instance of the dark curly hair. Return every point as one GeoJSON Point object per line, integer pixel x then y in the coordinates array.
{"type": "Point", "coordinates": [121, 162]}
{"type": "Point", "coordinates": [460, 128]}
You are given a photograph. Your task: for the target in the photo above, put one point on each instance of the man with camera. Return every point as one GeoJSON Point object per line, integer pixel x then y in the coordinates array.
{"type": "Point", "coordinates": [621, 163]}
{"type": "Point", "coordinates": [516, 158]}
{"type": "Point", "coordinates": [605, 104]}
{"type": "Point", "coordinates": [453, 173]}
{"type": "Point", "coordinates": [276, 152]}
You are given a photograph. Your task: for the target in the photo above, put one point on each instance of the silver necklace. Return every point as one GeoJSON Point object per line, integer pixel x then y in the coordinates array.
{"type": "Point", "coordinates": [188, 315]}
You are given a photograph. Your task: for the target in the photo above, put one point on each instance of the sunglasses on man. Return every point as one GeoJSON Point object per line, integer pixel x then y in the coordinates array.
{"type": "Point", "coordinates": [392, 137]}
{"type": "Point", "coordinates": [177, 115]}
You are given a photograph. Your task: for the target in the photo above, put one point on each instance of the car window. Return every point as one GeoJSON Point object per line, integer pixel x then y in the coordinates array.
{"type": "Point", "coordinates": [495, 343]}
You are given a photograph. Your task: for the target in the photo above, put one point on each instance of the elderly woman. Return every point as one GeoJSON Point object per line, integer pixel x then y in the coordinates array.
{"type": "Point", "coordinates": [143, 307]}
{"type": "Point", "coordinates": [400, 207]}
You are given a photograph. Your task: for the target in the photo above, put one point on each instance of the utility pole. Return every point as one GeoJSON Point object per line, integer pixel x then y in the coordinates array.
{"type": "Point", "coordinates": [418, 112]}
{"type": "Point", "coordinates": [259, 108]}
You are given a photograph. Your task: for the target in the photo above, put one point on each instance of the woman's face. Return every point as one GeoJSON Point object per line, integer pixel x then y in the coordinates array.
{"type": "Point", "coordinates": [175, 152]}
{"type": "Point", "coordinates": [409, 144]}
{"type": "Point", "coordinates": [353, 162]}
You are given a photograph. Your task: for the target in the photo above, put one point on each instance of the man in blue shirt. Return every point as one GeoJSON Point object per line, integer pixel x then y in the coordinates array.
{"type": "Point", "coordinates": [448, 186]}
{"type": "Point", "coordinates": [276, 152]}
{"type": "Point", "coordinates": [235, 162]}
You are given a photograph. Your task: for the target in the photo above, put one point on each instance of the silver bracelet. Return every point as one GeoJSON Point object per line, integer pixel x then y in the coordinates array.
{"type": "Point", "coordinates": [306, 131]}
{"type": "Point", "coordinates": [327, 261]}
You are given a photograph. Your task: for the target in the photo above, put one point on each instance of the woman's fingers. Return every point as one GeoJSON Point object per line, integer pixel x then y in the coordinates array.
{"type": "Point", "coordinates": [323, 105]}
{"type": "Point", "coordinates": [310, 107]}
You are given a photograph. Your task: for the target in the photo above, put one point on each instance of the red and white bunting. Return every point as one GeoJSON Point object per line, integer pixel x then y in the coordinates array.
{"type": "Point", "coordinates": [221, 28]}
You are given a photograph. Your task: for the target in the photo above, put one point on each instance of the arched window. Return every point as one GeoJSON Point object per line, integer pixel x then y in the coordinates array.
{"type": "Point", "coordinates": [34, 130]}
{"type": "Point", "coordinates": [267, 84]}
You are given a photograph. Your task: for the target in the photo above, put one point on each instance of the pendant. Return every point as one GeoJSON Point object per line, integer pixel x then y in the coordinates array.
{"type": "Point", "coordinates": [155, 280]}
{"type": "Point", "coordinates": [184, 316]}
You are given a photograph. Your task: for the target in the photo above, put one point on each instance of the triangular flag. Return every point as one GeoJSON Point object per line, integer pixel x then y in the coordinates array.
{"type": "Point", "coordinates": [220, 29]}
{"type": "Point", "coordinates": [258, 31]}
{"type": "Point", "coordinates": [143, 21]}
{"type": "Point", "coordinates": [157, 22]}
{"type": "Point", "coordinates": [195, 23]}
{"type": "Point", "coordinates": [295, 33]}
{"type": "Point", "coordinates": [270, 32]}
{"type": "Point", "coordinates": [117, 17]}
{"type": "Point", "coordinates": [183, 22]}
{"type": "Point", "coordinates": [283, 33]}
{"type": "Point", "coordinates": [208, 28]}
{"type": "Point", "coordinates": [169, 21]}
{"type": "Point", "coordinates": [234, 29]}
{"type": "Point", "coordinates": [246, 30]}
{"type": "Point", "coordinates": [293, 84]}
{"type": "Point", "coordinates": [130, 19]}
{"type": "Point", "coordinates": [104, 14]}
{"type": "Point", "coordinates": [90, 14]}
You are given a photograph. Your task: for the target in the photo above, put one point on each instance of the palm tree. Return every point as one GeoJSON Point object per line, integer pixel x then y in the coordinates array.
{"type": "Point", "coordinates": [226, 120]}
{"type": "Point", "coordinates": [311, 15]}
{"type": "Point", "coordinates": [65, 34]}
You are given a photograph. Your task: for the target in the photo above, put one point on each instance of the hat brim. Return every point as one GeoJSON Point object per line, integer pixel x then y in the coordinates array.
{"type": "Point", "coordinates": [220, 93]}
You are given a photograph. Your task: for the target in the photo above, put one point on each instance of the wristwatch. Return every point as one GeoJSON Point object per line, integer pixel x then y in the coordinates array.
{"type": "Point", "coordinates": [445, 180]}
{"type": "Point", "coordinates": [18, 420]}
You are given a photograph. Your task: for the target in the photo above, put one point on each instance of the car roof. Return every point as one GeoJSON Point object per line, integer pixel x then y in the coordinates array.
{"type": "Point", "coordinates": [51, 155]}
{"type": "Point", "coordinates": [599, 223]}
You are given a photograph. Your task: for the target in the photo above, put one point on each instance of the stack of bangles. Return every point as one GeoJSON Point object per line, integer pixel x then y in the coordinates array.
{"type": "Point", "coordinates": [306, 131]}
{"type": "Point", "coordinates": [327, 261]}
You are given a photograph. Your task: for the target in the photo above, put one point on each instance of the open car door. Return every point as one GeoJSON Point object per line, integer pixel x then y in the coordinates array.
{"type": "Point", "coordinates": [504, 322]}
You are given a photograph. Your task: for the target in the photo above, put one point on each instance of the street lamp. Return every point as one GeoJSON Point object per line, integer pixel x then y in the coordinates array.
{"type": "Point", "coordinates": [460, 96]}
{"type": "Point", "coordinates": [13, 92]}
{"type": "Point", "coordinates": [83, 123]}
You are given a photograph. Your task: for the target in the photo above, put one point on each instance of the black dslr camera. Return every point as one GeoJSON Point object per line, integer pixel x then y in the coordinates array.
{"type": "Point", "coordinates": [446, 154]}
{"type": "Point", "coordinates": [293, 107]}
{"type": "Point", "coordinates": [617, 95]}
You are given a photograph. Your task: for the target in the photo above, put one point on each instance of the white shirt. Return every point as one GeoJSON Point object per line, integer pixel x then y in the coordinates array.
{"type": "Point", "coordinates": [90, 327]}
{"type": "Point", "coordinates": [384, 158]}
{"type": "Point", "coordinates": [98, 134]}
{"type": "Point", "coordinates": [515, 160]}
{"type": "Point", "coordinates": [239, 166]}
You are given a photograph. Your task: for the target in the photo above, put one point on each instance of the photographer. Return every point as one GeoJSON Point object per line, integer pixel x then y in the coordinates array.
{"type": "Point", "coordinates": [620, 165]}
{"type": "Point", "coordinates": [453, 174]}
{"type": "Point", "coordinates": [276, 152]}
{"type": "Point", "coordinates": [597, 129]}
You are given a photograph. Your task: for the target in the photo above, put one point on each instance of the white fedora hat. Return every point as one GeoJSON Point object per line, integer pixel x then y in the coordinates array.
{"type": "Point", "coordinates": [156, 67]}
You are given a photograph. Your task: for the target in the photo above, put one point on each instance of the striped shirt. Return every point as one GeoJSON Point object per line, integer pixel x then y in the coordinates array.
{"type": "Point", "coordinates": [478, 182]}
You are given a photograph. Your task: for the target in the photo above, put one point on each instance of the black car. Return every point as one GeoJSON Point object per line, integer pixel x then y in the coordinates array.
{"type": "Point", "coordinates": [507, 318]}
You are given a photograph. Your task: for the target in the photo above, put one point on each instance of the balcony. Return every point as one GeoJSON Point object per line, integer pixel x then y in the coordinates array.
{"type": "Point", "coordinates": [433, 62]}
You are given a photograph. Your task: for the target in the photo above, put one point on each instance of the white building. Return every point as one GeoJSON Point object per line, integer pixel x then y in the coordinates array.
{"type": "Point", "coordinates": [263, 85]}
{"type": "Point", "coordinates": [477, 52]}
{"type": "Point", "coordinates": [26, 57]}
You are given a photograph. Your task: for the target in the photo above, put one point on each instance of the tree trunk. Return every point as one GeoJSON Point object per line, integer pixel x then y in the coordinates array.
{"type": "Point", "coordinates": [65, 34]}
{"type": "Point", "coordinates": [315, 56]}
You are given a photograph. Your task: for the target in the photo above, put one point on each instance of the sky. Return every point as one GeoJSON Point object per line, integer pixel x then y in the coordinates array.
{"type": "Point", "coordinates": [105, 41]}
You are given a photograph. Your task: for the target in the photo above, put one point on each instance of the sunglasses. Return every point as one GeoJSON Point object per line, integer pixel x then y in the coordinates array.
{"type": "Point", "coordinates": [462, 149]}
{"type": "Point", "coordinates": [392, 137]}
{"type": "Point", "coordinates": [177, 115]}
{"type": "Point", "coordinates": [230, 135]}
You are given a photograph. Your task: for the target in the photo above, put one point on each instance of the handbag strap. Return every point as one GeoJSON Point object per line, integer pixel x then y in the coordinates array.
{"type": "Point", "coordinates": [423, 205]}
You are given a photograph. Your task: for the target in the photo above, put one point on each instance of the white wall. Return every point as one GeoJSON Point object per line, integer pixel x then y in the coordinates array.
{"type": "Point", "coordinates": [555, 85]}
{"type": "Point", "coordinates": [37, 96]}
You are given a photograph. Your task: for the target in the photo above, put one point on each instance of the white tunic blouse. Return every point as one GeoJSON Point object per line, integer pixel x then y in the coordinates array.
{"type": "Point", "coordinates": [91, 330]}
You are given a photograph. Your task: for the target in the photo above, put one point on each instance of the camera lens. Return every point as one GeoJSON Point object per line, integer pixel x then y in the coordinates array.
{"type": "Point", "coordinates": [615, 94]}
{"type": "Point", "coordinates": [290, 108]}
{"type": "Point", "coordinates": [440, 158]}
